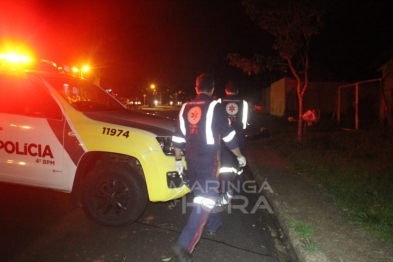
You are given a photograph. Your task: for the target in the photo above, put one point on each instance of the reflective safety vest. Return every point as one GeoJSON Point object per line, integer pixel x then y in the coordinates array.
{"type": "Point", "coordinates": [237, 110]}
{"type": "Point", "coordinates": [201, 124]}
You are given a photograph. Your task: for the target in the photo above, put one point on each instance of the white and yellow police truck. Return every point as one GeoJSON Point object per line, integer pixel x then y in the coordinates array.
{"type": "Point", "coordinates": [64, 133]}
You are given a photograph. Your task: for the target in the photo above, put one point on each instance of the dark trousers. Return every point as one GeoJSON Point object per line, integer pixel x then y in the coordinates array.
{"type": "Point", "coordinates": [230, 180]}
{"type": "Point", "coordinates": [200, 216]}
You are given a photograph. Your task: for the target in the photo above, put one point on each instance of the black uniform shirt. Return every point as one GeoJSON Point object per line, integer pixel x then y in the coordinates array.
{"type": "Point", "coordinates": [202, 123]}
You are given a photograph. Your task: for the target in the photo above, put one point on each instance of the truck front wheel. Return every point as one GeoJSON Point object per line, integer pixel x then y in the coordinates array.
{"type": "Point", "coordinates": [114, 195]}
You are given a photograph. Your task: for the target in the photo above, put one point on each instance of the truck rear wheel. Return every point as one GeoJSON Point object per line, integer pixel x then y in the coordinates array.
{"type": "Point", "coordinates": [114, 195]}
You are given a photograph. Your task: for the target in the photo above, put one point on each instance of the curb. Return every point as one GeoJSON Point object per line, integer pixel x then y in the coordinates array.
{"type": "Point", "coordinates": [283, 216]}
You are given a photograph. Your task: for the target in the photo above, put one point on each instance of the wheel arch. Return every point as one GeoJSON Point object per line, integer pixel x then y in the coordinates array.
{"type": "Point", "coordinates": [89, 161]}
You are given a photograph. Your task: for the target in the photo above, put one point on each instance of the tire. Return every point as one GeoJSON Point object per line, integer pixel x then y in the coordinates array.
{"type": "Point", "coordinates": [114, 195]}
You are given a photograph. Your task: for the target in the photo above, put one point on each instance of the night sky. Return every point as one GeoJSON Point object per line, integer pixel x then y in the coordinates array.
{"type": "Point", "coordinates": [169, 42]}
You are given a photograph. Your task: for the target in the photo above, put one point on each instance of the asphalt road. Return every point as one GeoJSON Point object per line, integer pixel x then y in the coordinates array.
{"type": "Point", "coordinates": [37, 225]}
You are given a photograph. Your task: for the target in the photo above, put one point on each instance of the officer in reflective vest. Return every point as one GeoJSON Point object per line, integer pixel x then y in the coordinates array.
{"type": "Point", "coordinates": [238, 112]}
{"type": "Point", "coordinates": [202, 126]}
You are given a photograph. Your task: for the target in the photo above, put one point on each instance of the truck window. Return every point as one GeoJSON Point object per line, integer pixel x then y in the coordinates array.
{"type": "Point", "coordinates": [84, 96]}
{"type": "Point", "coordinates": [21, 96]}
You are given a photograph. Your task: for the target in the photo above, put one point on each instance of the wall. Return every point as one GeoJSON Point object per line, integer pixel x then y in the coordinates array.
{"type": "Point", "coordinates": [318, 95]}
{"type": "Point", "coordinates": [283, 99]}
{"type": "Point", "coordinates": [277, 97]}
{"type": "Point", "coordinates": [387, 75]}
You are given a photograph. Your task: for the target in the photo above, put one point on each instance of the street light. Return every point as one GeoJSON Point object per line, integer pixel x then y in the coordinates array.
{"type": "Point", "coordinates": [81, 70]}
{"type": "Point", "coordinates": [155, 91]}
{"type": "Point", "coordinates": [153, 87]}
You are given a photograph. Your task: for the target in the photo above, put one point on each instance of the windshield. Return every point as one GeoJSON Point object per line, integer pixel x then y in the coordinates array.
{"type": "Point", "coordinates": [83, 95]}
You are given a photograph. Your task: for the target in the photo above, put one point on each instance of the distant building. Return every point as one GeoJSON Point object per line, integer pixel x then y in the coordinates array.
{"type": "Point", "coordinates": [280, 98]}
{"type": "Point", "coordinates": [387, 85]}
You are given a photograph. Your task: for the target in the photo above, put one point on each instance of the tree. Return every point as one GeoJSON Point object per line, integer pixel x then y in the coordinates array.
{"type": "Point", "coordinates": [292, 23]}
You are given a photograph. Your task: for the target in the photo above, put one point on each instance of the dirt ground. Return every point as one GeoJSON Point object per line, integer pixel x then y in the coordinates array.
{"type": "Point", "coordinates": [294, 196]}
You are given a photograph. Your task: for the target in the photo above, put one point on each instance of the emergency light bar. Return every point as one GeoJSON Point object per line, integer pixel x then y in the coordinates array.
{"type": "Point", "coordinates": [16, 61]}
{"type": "Point", "coordinates": [14, 58]}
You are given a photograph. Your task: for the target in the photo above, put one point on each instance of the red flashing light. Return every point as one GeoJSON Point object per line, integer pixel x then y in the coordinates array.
{"type": "Point", "coordinates": [14, 58]}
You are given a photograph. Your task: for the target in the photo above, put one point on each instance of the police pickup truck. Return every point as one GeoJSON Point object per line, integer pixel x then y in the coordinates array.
{"type": "Point", "coordinates": [64, 133]}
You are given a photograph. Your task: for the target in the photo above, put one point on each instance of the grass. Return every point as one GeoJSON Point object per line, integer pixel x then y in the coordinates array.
{"type": "Point", "coordinates": [310, 247]}
{"type": "Point", "coordinates": [355, 166]}
{"type": "Point", "coordinates": [302, 229]}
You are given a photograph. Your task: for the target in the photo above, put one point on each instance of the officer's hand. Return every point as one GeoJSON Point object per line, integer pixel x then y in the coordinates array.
{"type": "Point", "coordinates": [179, 166]}
{"type": "Point", "coordinates": [242, 161]}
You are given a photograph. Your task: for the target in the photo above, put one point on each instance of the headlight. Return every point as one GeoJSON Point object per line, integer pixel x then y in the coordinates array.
{"type": "Point", "coordinates": [166, 145]}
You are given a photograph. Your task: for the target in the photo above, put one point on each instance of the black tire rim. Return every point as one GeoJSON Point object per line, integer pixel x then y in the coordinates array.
{"type": "Point", "coordinates": [112, 197]}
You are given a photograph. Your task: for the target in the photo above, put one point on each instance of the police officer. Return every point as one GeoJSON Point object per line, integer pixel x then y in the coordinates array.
{"type": "Point", "coordinates": [238, 112]}
{"type": "Point", "coordinates": [202, 123]}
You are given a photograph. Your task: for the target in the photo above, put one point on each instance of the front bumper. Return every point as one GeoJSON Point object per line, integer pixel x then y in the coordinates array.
{"type": "Point", "coordinates": [175, 180]}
